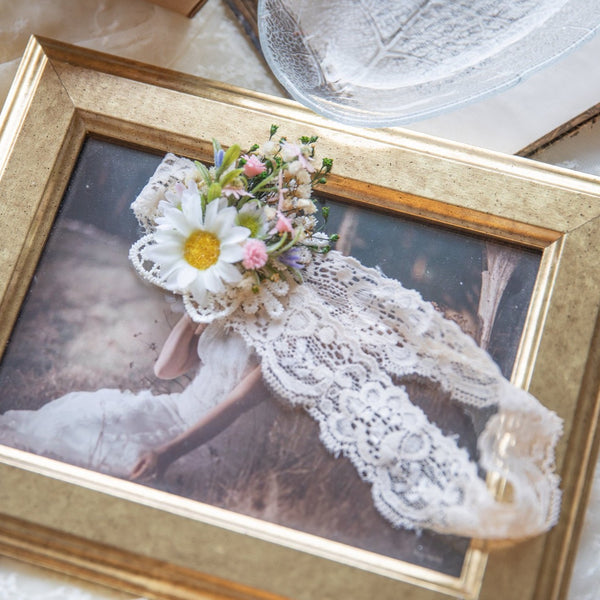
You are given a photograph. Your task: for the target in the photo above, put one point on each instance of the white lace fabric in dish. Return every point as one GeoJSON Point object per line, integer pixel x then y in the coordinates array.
{"type": "Point", "coordinates": [340, 344]}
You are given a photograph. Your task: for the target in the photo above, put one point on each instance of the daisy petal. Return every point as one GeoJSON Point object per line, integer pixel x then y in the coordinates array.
{"type": "Point", "coordinates": [169, 276]}
{"type": "Point", "coordinates": [173, 218]}
{"type": "Point", "coordinates": [169, 270]}
{"type": "Point", "coordinates": [161, 253]}
{"type": "Point", "coordinates": [212, 281]}
{"type": "Point", "coordinates": [185, 276]}
{"type": "Point", "coordinates": [212, 212]}
{"type": "Point", "coordinates": [169, 240]}
{"type": "Point", "coordinates": [231, 253]}
{"type": "Point", "coordinates": [236, 235]}
{"type": "Point", "coordinates": [191, 206]}
{"type": "Point", "coordinates": [172, 198]}
{"type": "Point", "coordinates": [229, 273]}
{"type": "Point", "coordinates": [222, 222]}
{"type": "Point", "coordinates": [198, 291]}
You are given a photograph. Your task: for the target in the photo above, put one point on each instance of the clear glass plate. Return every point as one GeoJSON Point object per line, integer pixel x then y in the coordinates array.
{"type": "Point", "coordinates": [380, 63]}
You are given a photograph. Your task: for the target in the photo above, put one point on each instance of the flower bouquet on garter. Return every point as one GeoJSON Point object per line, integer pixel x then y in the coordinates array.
{"type": "Point", "coordinates": [237, 239]}
{"type": "Point", "coordinates": [246, 226]}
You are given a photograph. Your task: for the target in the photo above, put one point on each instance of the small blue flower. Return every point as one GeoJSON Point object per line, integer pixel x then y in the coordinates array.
{"type": "Point", "coordinates": [219, 158]}
{"type": "Point", "coordinates": [292, 258]}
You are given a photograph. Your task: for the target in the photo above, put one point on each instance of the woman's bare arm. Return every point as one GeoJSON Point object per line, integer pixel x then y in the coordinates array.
{"type": "Point", "coordinates": [179, 354]}
{"type": "Point", "coordinates": [248, 393]}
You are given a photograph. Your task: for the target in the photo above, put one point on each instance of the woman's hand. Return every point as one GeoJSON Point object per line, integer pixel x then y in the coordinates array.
{"type": "Point", "coordinates": [246, 394]}
{"type": "Point", "coordinates": [150, 465]}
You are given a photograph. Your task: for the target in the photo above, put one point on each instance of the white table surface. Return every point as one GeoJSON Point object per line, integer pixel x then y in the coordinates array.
{"type": "Point", "coordinates": [203, 46]}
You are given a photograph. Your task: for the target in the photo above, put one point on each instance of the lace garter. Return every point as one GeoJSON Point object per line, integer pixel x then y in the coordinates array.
{"type": "Point", "coordinates": [339, 345]}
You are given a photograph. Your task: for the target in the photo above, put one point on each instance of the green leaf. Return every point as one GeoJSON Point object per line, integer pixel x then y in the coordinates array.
{"type": "Point", "coordinates": [277, 245]}
{"type": "Point", "coordinates": [309, 140]}
{"type": "Point", "coordinates": [232, 154]}
{"type": "Point", "coordinates": [292, 242]}
{"type": "Point", "coordinates": [230, 176]}
{"type": "Point", "coordinates": [204, 172]}
{"type": "Point", "coordinates": [214, 191]}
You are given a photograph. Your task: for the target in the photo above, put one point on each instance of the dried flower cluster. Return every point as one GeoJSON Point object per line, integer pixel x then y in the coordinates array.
{"type": "Point", "coordinates": [248, 218]}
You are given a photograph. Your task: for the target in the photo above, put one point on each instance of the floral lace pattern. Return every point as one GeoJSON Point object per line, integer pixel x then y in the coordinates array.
{"type": "Point", "coordinates": [345, 337]}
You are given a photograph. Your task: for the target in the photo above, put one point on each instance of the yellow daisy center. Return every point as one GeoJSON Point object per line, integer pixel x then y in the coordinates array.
{"type": "Point", "coordinates": [202, 249]}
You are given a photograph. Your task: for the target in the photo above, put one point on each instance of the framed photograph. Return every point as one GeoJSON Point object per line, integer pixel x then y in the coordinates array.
{"type": "Point", "coordinates": [500, 245]}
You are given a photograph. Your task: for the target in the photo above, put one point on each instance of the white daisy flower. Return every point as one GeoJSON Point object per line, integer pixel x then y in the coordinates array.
{"type": "Point", "coordinates": [252, 216]}
{"type": "Point", "coordinates": [196, 253]}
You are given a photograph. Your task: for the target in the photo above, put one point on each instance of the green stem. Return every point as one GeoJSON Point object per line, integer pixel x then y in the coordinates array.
{"type": "Point", "coordinates": [292, 243]}
{"type": "Point", "coordinates": [263, 183]}
{"type": "Point", "coordinates": [275, 247]}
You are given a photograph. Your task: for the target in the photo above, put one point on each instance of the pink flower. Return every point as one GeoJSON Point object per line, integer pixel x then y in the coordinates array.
{"type": "Point", "coordinates": [236, 192]}
{"type": "Point", "coordinates": [253, 166]}
{"type": "Point", "coordinates": [284, 225]}
{"type": "Point", "coordinates": [282, 190]}
{"type": "Point", "coordinates": [255, 254]}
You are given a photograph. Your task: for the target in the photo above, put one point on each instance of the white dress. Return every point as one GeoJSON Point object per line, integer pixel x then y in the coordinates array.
{"type": "Point", "coordinates": [108, 429]}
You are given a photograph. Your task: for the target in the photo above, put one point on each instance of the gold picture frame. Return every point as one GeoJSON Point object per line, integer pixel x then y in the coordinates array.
{"type": "Point", "coordinates": [167, 547]}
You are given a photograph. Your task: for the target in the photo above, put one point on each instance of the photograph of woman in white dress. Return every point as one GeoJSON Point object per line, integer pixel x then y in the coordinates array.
{"type": "Point", "coordinates": [107, 372]}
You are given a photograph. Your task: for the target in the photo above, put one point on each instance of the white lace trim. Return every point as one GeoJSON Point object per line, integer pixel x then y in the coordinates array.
{"type": "Point", "coordinates": [343, 341]}
{"type": "Point", "coordinates": [339, 344]}
{"type": "Point", "coordinates": [218, 306]}
{"type": "Point", "coordinates": [171, 170]}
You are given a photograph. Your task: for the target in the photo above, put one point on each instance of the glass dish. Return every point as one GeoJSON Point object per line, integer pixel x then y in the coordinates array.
{"type": "Point", "coordinates": [379, 63]}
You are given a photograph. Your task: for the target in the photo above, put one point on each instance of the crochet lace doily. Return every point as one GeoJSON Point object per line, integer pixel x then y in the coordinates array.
{"type": "Point", "coordinates": [341, 343]}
